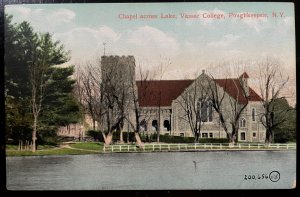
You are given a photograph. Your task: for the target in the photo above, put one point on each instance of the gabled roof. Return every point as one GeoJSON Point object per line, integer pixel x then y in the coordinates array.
{"type": "Point", "coordinates": [163, 92]}
{"type": "Point", "coordinates": [233, 87]}
{"type": "Point", "coordinates": [160, 93]}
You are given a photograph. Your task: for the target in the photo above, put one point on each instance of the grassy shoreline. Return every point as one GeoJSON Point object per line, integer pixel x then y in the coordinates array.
{"type": "Point", "coordinates": [83, 148]}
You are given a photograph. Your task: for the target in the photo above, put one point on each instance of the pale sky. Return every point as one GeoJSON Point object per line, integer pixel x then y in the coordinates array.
{"type": "Point", "coordinates": [184, 46]}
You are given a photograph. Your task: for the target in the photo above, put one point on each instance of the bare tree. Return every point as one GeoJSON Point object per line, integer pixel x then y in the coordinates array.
{"type": "Point", "coordinates": [159, 72]}
{"type": "Point", "coordinates": [229, 98]}
{"type": "Point", "coordinates": [135, 96]}
{"type": "Point", "coordinates": [271, 84]}
{"type": "Point", "coordinates": [88, 90]}
{"type": "Point", "coordinates": [194, 102]}
{"type": "Point", "coordinates": [115, 88]}
{"type": "Point", "coordinates": [105, 95]}
{"type": "Point", "coordinates": [78, 90]}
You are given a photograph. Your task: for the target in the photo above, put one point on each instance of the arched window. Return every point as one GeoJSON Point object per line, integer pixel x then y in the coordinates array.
{"type": "Point", "coordinates": [143, 125]}
{"type": "Point", "coordinates": [242, 123]}
{"type": "Point", "coordinates": [210, 108]}
{"type": "Point", "coordinates": [204, 111]}
{"type": "Point", "coordinates": [253, 114]}
{"type": "Point", "coordinates": [154, 125]}
{"type": "Point", "coordinates": [167, 125]}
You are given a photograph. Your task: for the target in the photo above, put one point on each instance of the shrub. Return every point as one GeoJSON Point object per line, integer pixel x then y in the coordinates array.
{"type": "Point", "coordinates": [284, 136]}
{"type": "Point", "coordinates": [131, 136]}
{"type": "Point", "coordinates": [213, 140]}
{"type": "Point", "coordinates": [96, 135]}
{"type": "Point", "coordinates": [179, 139]}
{"type": "Point", "coordinates": [116, 136]}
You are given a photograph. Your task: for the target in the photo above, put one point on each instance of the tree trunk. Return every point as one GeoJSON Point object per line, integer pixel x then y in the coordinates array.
{"type": "Point", "coordinates": [94, 124]}
{"type": "Point", "coordinates": [34, 133]}
{"type": "Point", "coordinates": [231, 142]}
{"type": "Point", "coordinates": [231, 139]}
{"type": "Point", "coordinates": [128, 137]}
{"type": "Point", "coordinates": [196, 137]}
{"type": "Point", "coordinates": [104, 137]}
{"type": "Point", "coordinates": [19, 147]}
{"type": "Point", "coordinates": [138, 140]}
{"type": "Point", "coordinates": [121, 136]}
{"type": "Point", "coordinates": [108, 139]}
{"type": "Point", "coordinates": [269, 137]}
{"type": "Point", "coordinates": [235, 135]}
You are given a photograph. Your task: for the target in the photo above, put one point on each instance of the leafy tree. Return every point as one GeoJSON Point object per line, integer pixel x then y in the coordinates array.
{"type": "Point", "coordinates": [37, 92]}
{"type": "Point", "coordinates": [284, 118]}
{"type": "Point", "coordinates": [60, 107]}
{"type": "Point", "coordinates": [17, 89]}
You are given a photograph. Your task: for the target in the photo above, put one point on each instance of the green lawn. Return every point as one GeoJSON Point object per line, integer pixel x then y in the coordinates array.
{"type": "Point", "coordinates": [12, 150]}
{"type": "Point", "coordinates": [62, 151]}
{"type": "Point", "coordinates": [96, 147]}
{"type": "Point", "coordinates": [88, 146]}
{"type": "Point", "coordinates": [40, 147]}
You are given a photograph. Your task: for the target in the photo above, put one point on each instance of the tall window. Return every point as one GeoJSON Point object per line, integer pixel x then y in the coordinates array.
{"type": "Point", "coordinates": [204, 111]}
{"type": "Point", "coordinates": [155, 125]}
{"type": "Point", "coordinates": [167, 125]}
{"type": "Point", "coordinates": [253, 114]}
{"type": "Point", "coordinates": [242, 123]}
{"type": "Point", "coordinates": [243, 136]}
{"type": "Point", "coordinates": [143, 125]}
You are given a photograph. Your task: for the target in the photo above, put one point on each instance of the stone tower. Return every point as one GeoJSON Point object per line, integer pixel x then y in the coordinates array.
{"type": "Point", "coordinates": [118, 69]}
{"type": "Point", "coordinates": [118, 86]}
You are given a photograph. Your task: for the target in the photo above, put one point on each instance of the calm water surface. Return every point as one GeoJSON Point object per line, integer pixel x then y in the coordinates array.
{"type": "Point", "coordinates": [137, 171]}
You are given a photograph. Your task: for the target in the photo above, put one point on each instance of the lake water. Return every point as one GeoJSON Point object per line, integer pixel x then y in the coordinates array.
{"type": "Point", "coordinates": [169, 170]}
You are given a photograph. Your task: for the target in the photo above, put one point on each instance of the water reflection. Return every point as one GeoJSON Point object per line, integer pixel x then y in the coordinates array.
{"type": "Point", "coordinates": [184, 170]}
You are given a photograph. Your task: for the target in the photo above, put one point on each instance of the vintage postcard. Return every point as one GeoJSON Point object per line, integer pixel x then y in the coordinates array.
{"type": "Point", "coordinates": [150, 96]}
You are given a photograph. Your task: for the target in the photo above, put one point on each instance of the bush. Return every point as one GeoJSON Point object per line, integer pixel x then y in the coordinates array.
{"type": "Point", "coordinates": [47, 136]}
{"type": "Point", "coordinates": [179, 139]}
{"type": "Point", "coordinates": [97, 136]}
{"type": "Point", "coordinates": [131, 136]}
{"type": "Point", "coordinates": [284, 136]}
{"type": "Point", "coordinates": [213, 140]}
{"type": "Point", "coordinates": [175, 139]}
{"type": "Point", "coordinates": [20, 133]}
{"type": "Point", "coordinates": [116, 136]}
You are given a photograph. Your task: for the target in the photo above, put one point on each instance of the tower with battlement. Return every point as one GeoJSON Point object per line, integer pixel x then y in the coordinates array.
{"type": "Point", "coordinates": [118, 69]}
{"type": "Point", "coordinates": [118, 88]}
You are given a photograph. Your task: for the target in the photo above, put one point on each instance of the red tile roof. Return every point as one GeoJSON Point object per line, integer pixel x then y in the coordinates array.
{"type": "Point", "coordinates": [160, 93]}
{"type": "Point", "coordinates": [234, 88]}
{"type": "Point", "coordinates": [163, 92]}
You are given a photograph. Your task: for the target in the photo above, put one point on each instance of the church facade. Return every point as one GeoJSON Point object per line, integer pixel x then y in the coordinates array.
{"type": "Point", "coordinates": [165, 108]}
{"type": "Point", "coordinates": [163, 103]}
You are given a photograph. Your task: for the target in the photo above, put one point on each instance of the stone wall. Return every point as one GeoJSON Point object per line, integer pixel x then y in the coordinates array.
{"type": "Point", "coordinates": [159, 114]}
{"type": "Point", "coordinates": [181, 126]}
